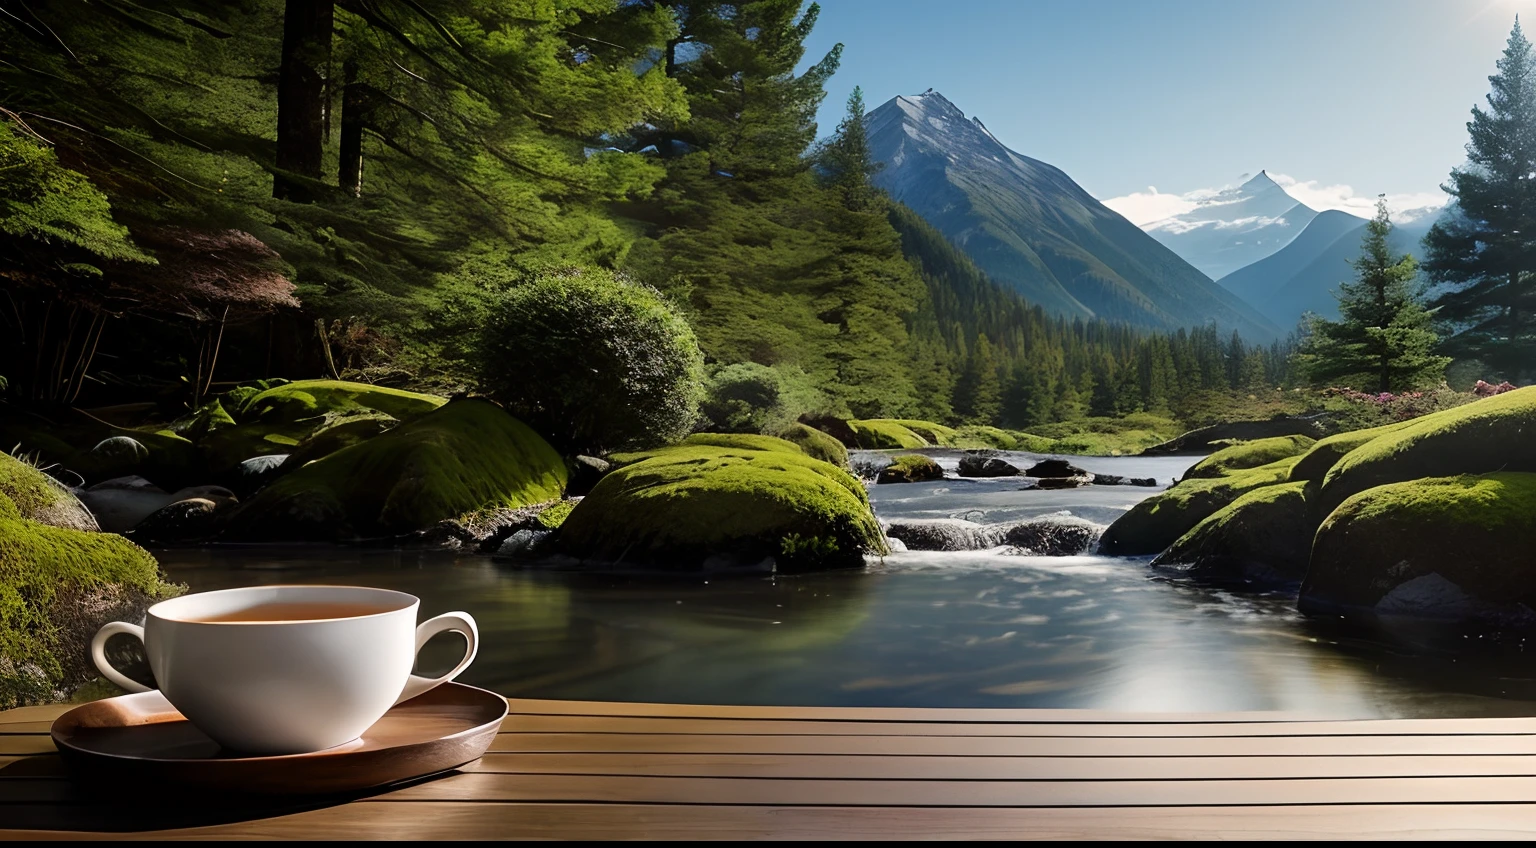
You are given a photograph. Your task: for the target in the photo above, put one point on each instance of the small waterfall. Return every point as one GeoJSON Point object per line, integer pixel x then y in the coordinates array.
{"type": "Point", "coordinates": [1049, 535]}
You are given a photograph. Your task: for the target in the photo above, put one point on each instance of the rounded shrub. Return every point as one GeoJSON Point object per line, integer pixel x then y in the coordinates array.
{"type": "Point", "coordinates": [592, 361]}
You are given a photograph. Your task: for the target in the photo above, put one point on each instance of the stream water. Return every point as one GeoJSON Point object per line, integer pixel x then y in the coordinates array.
{"type": "Point", "coordinates": [961, 629]}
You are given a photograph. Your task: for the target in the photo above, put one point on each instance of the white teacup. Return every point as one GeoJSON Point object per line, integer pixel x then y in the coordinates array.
{"type": "Point", "coordinates": [286, 669]}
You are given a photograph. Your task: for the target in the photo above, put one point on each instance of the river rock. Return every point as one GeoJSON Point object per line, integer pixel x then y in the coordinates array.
{"type": "Point", "coordinates": [1117, 480]}
{"type": "Point", "coordinates": [585, 471]}
{"type": "Point", "coordinates": [676, 508]}
{"type": "Point", "coordinates": [1051, 535]}
{"type": "Point", "coordinates": [1062, 482]}
{"type": "Point", "coordinates": [1152, 525]}
{"type": "Point", "coordinates": [185, 520]}
{"type": "Point", "coordinates": [896, 545]}
{"type": "Point", "coordinates": [944, 534]}
{"type": "Point", "coordinates": [1055, 468]}
{"type": "Point", "coordinates": [978, 465]}
{"type": "Point", "coordinates": [41, 498]}
{"type": "Point", "coordinates": [911, 468]}
{"type": "Point", "coordinates": [1249, 455]}
{"type": "Point", "coordinates": [1263, 537]}
{"type": "Point", "coordinates": [1205, 439]}
{"type": "Point", "coordinates": [1449, 548]}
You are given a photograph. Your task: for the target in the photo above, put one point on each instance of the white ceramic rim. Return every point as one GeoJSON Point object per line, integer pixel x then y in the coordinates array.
{"type": "Point", "coordinates": [165, 610]}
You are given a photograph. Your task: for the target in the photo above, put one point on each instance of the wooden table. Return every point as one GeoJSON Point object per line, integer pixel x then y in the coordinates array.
{"type": "Point", "coordinates": [594, 770]}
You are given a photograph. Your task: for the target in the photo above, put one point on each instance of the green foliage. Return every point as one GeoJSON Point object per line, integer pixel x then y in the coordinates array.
{"type": "Point", "coordinates": [746, 397]}
{"type": "Point", "coordinates": [465, 456]}
{"type": "Point", "coordinates": [593, 360]}
{"type": "Point", "coordinates": [1479, 253]}
{"type": "Point", "coordinates": [1382, 340]}
{"type": "Point", "coordinates": [1249, 455]}
{"type": "Point", "coordinates": [683, 505]}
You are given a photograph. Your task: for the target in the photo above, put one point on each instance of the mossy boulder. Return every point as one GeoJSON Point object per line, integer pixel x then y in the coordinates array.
{"type": "Point", "coordinates": [816, 444]}
{"type": "Point", "coordinates": [1326, 453]}
{"type": "Point", "coordinates": [41, 498]}
{"type": "Point", "coordinates": [1492, 434]}
{"type": "Point", "coordinates": [693, 507]}
{"type": "Point", "coordinates": [877, 434]}
{"type": "Point", "coordinates": [1152, 525]}
{"type": "Point", "coordinates": [97, 450]}
{"type": "Point", "coordinates": [296, 401]}
{"type": "Point", "coordinates": [910, 468]}
{"type": "Point", "coordinates": [1263, 537]}
{"type": "Point", "coordinates": [465, 456]}
{"type": "Point", "coordinates": [1249, 455]}
{"type": "Point", "coordinates": [57, 588]}
{"type": "Point", "coordinates": [741, 441]}
{"type": "Point", "coordinates": [1451, 548]}
{"type": "Point", "coordinates": [934, 434]}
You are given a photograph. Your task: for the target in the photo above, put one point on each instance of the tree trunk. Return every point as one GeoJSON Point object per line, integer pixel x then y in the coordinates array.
{"type": "Point", "coordinates": [301, 96]}
{"type": "Point", "coordinates": [354, 115]}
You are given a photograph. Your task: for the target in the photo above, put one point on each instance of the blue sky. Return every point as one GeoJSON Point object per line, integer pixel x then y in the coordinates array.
{"type": "Point", "coordinates": [1346, 98]}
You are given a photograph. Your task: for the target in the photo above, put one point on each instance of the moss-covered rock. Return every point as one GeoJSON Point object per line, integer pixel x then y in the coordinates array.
{"type": "Point", "coordinates": [1265, 537]}
{"type": "Point", "coordinates": [303, 399]}
{"type": "Point", "coordinates": [934, 434]}
{"type": "Point", "coordinates": [57, 588]}
{"type": "Point", "coordinates": [468, 455]}
{"type": "Point", "coordinates": [910, 468]}
{"type": "Point", "coordinates": [740, 441]}
{"type": "Point", "coordinates": [41, 498]}
{"type": "Point", "coordinates": [1492, 434]}
{"type": "Point", "coordinates": [1456, 548]}
{"type": "Point", "coordinates": [1326, 453]}
{"type": "Point", "coordinates": [696, 506]}
{"type": "Point", "coordinates": [1151, 526]}
{"type": "Point", "coordinates": [816, 444]}
{"type": "Point", "coordinates": [879, 434]}
{"type": "Point", "coordinates": [1249, 455]}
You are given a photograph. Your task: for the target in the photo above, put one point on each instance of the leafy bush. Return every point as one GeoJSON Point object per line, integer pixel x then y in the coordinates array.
{"type": "Point", "coordinates": [746, 397]}
{"type": "Point", "coordinates": [592, 361]}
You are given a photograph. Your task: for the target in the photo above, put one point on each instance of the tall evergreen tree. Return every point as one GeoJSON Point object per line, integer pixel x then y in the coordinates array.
{"type": "Point", "coordinates": [1483, 253]}
{"type": "Point", "coordinates": [1383, 338]}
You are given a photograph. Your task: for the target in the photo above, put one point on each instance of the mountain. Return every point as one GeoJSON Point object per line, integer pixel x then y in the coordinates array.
{"type": "Point", "coordinates": [1302, 276]}
{"type": "Point", "coordinates": [1234, 227]}
{"type": "Point", "coordinates": [1033, 229]}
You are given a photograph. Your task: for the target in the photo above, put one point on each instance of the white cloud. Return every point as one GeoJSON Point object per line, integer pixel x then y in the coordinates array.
{"type": "Point", "coordinates": [1150, 206]}
{"type": "Point", "coordinates": [1344, 198]}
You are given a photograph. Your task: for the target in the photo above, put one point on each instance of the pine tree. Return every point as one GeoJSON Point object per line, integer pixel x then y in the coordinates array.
{"type": "Point", "coordinates": [1382, 339]}
{"type": "Point", "coordinates": [1484, 252]}
{"type": "Point", "coordinates": [845, 160]}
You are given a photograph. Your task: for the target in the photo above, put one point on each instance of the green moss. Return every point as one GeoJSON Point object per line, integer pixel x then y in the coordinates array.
{"type": "Point", "coordinates": [876, 434]}
{"type": "Point", "coordinates": [816, 444]}
{"type": "Point", "coordinates": [1249, 455]}
{"type": "Point", "coordinates": [206, 419]}
{"type": "Point", "coordinates": [337, 433]}
{"type": "Point", "coordinates": [911, 468]}
{"type": "Point", "coordinates": [36, 496]}
{"type": "Point", "coordinates": [1263, 536]}
{"type": "Point", "coordinates": [556, 514]}
{"type": "Point", "coordinates": [1326, 453]}
{"type": "Point", "coordinates": [54, 586]}
{"type": "Point", "coordinates": [467, 455]}
{"type": "Point", "coordinates": [933, 434]}
{"type": "Point", "coordinates": [310, 398]}
{"type": "Point", "coordinates": [1492, 434]}
{"type": "Point", "coordinates": [977, 436]}
{"type": "Point", "coordinates": [1472, 530]}
{"type": "Point", "coordinates": [743, 441]}
{"type": "Point", "coordinates": [682, 505]}
{"type": "Point", "coordinates": [1152, 525]}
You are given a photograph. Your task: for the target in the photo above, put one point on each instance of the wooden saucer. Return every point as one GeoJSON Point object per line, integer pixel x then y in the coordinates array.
{"type": "Point", "coordinates": [141, 740]}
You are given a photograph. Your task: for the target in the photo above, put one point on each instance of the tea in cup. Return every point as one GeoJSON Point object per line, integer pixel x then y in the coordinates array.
{"type": "Point", "coordinates": [286, 669]}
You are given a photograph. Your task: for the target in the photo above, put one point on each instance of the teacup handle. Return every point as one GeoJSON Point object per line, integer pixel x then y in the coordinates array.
{"type": "Point", "coordinates": [459, 622]}
{"type": "Point", "coordinates": [99, 653]}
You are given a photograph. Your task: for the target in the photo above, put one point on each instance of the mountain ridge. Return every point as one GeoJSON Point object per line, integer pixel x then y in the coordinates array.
{"type": "Point", "coordinates": [1034, 229]}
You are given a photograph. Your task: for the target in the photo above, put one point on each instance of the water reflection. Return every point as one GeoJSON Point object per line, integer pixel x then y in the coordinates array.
{"type": "Point", "coordinates": [959, 629]}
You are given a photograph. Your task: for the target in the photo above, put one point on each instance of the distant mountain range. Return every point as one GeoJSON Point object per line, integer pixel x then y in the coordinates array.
{"type": "Point", "coordinates": [1303, 275]}
{"type": "Point", "coordinates": [1030, 227]}
{"type": "Point", "coordinates": [1235, 227]}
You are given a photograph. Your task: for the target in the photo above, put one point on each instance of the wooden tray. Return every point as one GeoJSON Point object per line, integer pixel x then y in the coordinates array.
{"type": "Point", "coordinates": [141, 741]}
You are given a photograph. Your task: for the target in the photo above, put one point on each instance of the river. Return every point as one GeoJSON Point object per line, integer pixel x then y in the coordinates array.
{"type": "Point", "coordinates": [961, 629]}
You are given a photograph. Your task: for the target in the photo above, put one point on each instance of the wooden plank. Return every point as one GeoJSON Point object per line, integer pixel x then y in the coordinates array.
{"type": "Point", "coordinates": [423, 821]}
{"type": "Point", "coordinates": [999, 768]}
{"type": "Point", "coordinates": [1022, 746]}
{"type": "Point", "coordinates": [44, 712]}
{"type": "Point", "coordinates": [537, 706]}
{"type": "Point", "coordinates": [1382, 727]}
{"type": "Point", "coordinates": [552, 788]}
{"type": "Point", "coordinates": [14, 746]}
{"type": "Point", "coordinates": [39, 765]}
